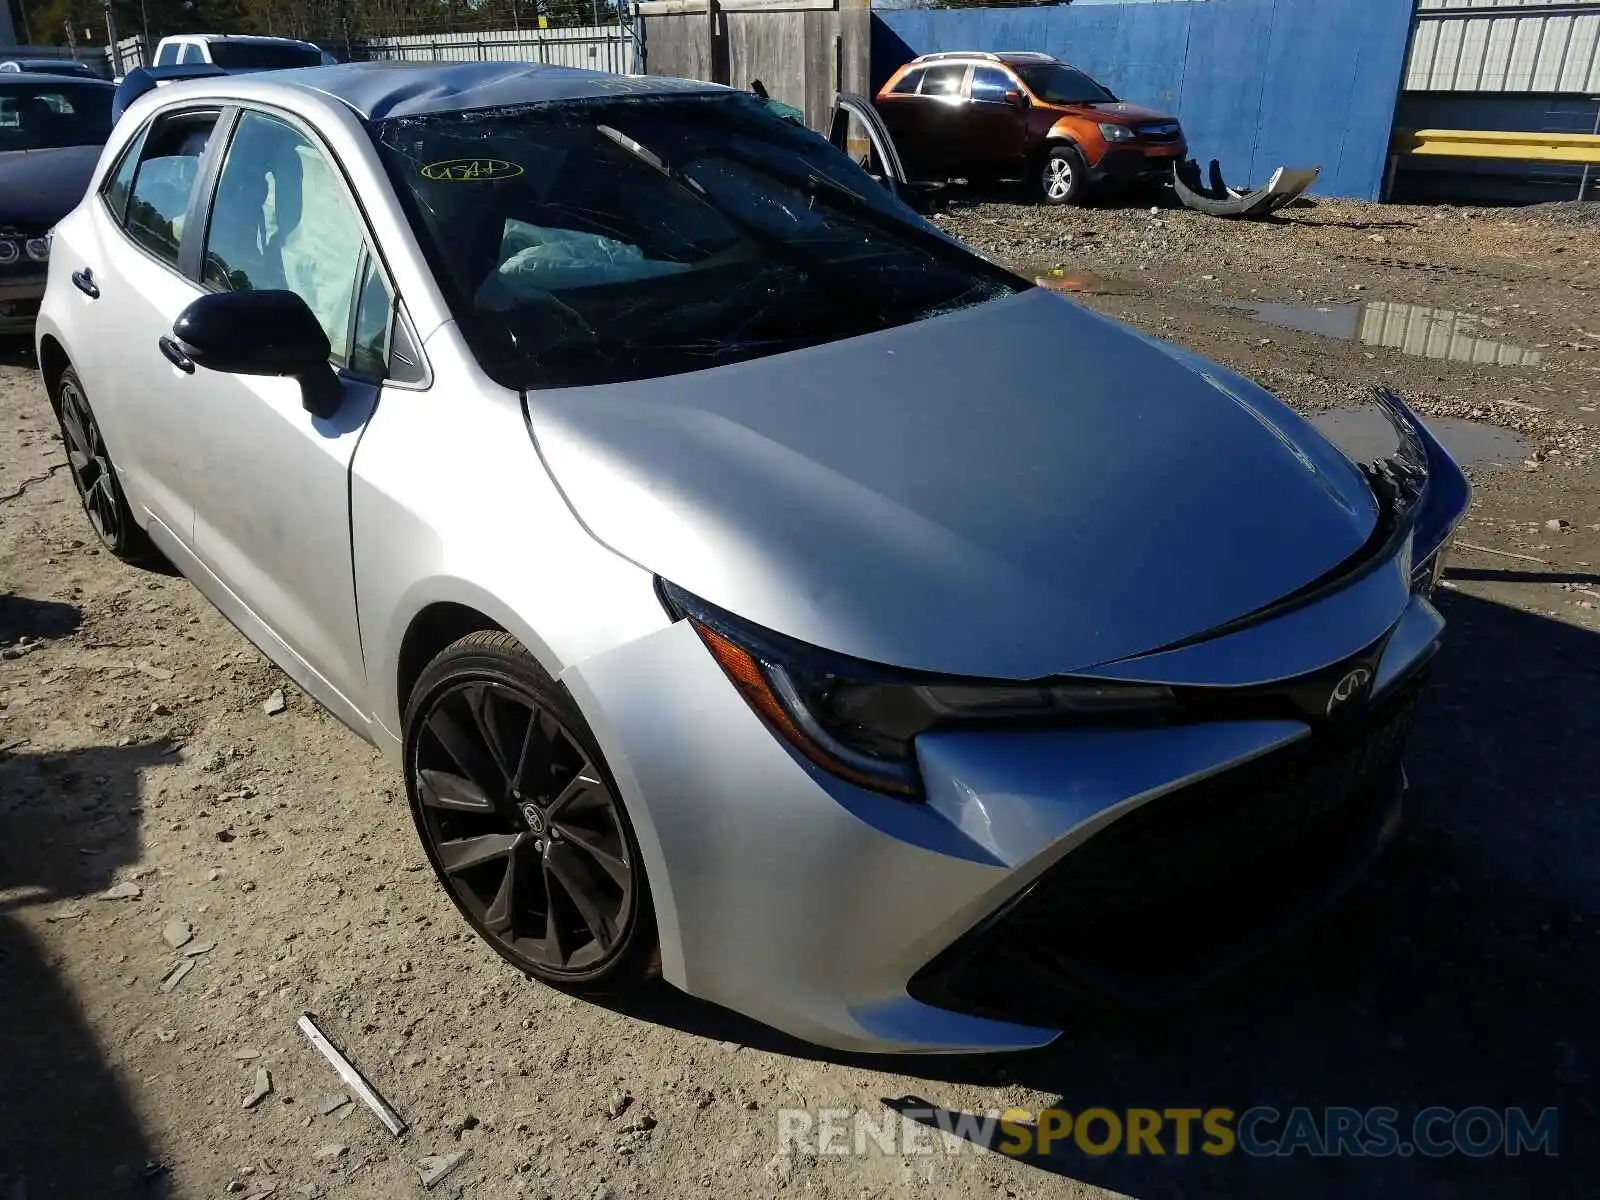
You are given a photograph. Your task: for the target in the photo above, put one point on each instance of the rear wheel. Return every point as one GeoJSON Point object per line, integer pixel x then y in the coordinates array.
{"type": "Point", "coordinates": [522, 821]}
{"type": "Point", "coordinates": [1063, 177]}
{"type": "Point", "coordinates": [94, 476]}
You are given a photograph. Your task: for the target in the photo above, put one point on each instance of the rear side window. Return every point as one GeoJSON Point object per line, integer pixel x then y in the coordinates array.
{"type": "Point", "coordinates": [191, 54]}
{"type": "Point", "coordinates": [166, 56]}
{"type": "Point", "coordinates": [168, 170]}
{"type": "Point", "coordinates": [908, 84]}
{"type": "Point", "coordinates": [943, 81]}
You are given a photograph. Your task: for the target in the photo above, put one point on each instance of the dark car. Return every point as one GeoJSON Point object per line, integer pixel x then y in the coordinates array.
{"type": "Point", "coordinates": [51, 131]}
{"type": "Point", "coordinates": [48, 66]}
{"type": "Point", "coordinates": [980, 116]}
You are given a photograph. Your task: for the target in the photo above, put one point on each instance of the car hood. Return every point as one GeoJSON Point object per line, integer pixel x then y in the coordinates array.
{"type": "Point", "coordinates": [1122, 112]}
{"type": "Point", "coordinates": [39, 187]}
{"type": "Point", "coordinates": [1019, 489]}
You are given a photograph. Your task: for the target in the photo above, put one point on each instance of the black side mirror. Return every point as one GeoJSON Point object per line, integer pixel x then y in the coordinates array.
{"type": "Point", "coordinates": [262, 333]}
{"type": "Point", "coordinates": [1017, 100]}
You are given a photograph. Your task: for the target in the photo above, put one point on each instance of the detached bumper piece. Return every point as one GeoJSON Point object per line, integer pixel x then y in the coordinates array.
{"type": "Point", "coordinates": [1191, 884]}
{"type": "Point", "coordinates": [1220, 200]}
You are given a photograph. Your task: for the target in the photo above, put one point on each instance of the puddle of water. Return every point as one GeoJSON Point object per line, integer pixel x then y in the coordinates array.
{"type": "Point", "coordinates": [1365, 434]}
{"type": "Point", "coordinates": [1414, 329]}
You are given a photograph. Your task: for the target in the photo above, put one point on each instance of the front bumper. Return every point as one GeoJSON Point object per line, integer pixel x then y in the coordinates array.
{"type": "Point", "coordinates": [847, 918]}
{"type": "Point", "coordinates": [19, 301]}
{"type": "Point", "coordinates": [1138, 163]}
{"type": "Point", "coordinates": [1189, 885]}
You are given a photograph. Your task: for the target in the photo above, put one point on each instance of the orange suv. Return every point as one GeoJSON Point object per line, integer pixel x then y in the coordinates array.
{"type": "Point", "coordinates": [1023, 115]}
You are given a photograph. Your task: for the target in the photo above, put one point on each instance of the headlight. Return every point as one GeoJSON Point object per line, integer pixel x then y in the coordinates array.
{"type": "Point", "coordinates": [1116, 133]}
{"type": "Point", "coordinates": [1421, 484]}
{"type": "Point", "coordinates": [39, 249]}
{"type": "Point", "coordinates": [859, 721]}
{"type": "Point", "coordinates": [9, 252]}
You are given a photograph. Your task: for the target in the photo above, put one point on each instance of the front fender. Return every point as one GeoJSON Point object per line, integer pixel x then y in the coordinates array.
{"type": "Point", "coordinates": [450, 503]}
{"type": "Point", "coordinates": [1066, 131]}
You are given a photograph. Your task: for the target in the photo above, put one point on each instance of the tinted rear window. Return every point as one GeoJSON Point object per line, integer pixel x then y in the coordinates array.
{"type": "Point", "coordinates": [598, 241]}
{"type": "Point", "coordinates": [39, 116]}
{"type": "Point", "coordinates": [259, 56]}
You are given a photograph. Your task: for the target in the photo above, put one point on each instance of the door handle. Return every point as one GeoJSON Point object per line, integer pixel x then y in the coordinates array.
{"type": "Point", "coordinates": [84, 281]}
{"type": "Point", "coordinates": [175, 355]}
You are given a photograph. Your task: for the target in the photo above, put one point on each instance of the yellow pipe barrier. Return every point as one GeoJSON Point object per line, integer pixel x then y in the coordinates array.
{"type": "Point", "coordinates": [1567, 148]}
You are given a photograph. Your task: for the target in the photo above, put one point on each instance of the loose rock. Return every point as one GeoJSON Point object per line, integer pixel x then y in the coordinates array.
{"type": "Point", "coordinates": [641, 1122]}
{"type": "Point", "coordinates": [262, 1090]}
{"type": "Point", "coordinates": [434, 1167]}
{"type": "Point", "coordinates": [122, 891]}
{"type": "Point", "coordinates": [177, 933]}
{"type": "Point", "coordinates": [275, 703]}
{"type": "Point", "coordinates": [332, 1104]}
{"type": "Point", "coordinates": [175, 974]}
{"type": "Point", "coordinates": [331, 1151]}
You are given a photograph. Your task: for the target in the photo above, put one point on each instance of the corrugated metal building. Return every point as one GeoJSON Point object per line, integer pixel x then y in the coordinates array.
{"type": "Point", "coordinates": [1501, 64]}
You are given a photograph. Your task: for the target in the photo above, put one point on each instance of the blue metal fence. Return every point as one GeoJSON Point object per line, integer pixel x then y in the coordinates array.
{"type": "Point", "coordinates": [1258, 84]}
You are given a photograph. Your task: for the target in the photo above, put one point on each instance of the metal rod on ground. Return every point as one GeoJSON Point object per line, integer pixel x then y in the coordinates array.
{"type": "Point", "coordinates": [1583, 187]}
{"type": "Point", "coordinates": [347, 1072]}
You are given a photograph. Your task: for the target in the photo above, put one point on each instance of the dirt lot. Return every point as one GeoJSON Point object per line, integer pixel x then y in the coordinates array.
{"type": "Point", "coordinates": [137, 760]}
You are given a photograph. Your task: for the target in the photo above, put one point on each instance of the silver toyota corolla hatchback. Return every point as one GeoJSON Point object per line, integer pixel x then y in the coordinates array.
{"type": "Point", "coordinates": [753, 584]}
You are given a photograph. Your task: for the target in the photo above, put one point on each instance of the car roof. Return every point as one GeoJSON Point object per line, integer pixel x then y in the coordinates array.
{"type": "Point", "coordinates": [1015, 58]}
{"type": "Point", "coordinates": [56, 80]}
{"type": "Point", "coordinates": [379, 91]}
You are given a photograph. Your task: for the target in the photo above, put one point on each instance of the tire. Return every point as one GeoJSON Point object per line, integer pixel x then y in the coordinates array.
{"type": "Point", "coordinates": [94, 476]}
{"type": "Point", "coordinates": [522, 821]}
{"type": "Point", "coordinates": [1062, 177]}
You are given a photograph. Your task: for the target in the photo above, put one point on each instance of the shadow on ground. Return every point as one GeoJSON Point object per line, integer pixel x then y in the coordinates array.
{"type": "Point", "coordinates": [22, 619]}
{"type": "Point", "coordinates": [1464, 971]}
{"type": "Point", "coordinates": [16, 352]}
{"type": "Point", "coordinates": [68, 823]}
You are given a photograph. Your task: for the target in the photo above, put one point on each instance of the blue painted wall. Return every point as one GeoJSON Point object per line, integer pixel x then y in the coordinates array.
{"type": "Point", "coordinates": [1258, 84]}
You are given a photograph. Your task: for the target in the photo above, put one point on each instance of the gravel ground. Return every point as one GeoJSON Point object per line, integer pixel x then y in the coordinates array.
{"type": "Point", "coordinates": [155, 814]}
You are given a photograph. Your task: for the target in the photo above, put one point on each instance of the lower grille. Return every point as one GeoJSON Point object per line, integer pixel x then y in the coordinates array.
{"type": "Point", "coordinates": [1165, 896]}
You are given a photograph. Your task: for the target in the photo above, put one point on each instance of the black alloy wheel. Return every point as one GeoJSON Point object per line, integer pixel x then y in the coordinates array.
{"type": "Point", "coordinates": [94, 476]}
{"type": "Point", "coordinates": [521, 820]}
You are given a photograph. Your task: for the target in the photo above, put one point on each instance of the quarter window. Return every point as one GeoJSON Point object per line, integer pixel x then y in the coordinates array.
{"type": "Point", "coordinates": [990, 85]}
{"type": "Point", "coordinates": [191, 54]}
{"type": "Point", "coordinates": [282, 220]}
{"type": "Point", "coordinates": [166, 55]}
{"type": "Point", "coordinates": [908, 84]}
{"type": "Point", "coordinates": [121, 182]}
{"type": "Point", "coordinates": [165, 180]}
{"type": "Point", "coordinates": [369, 352]}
